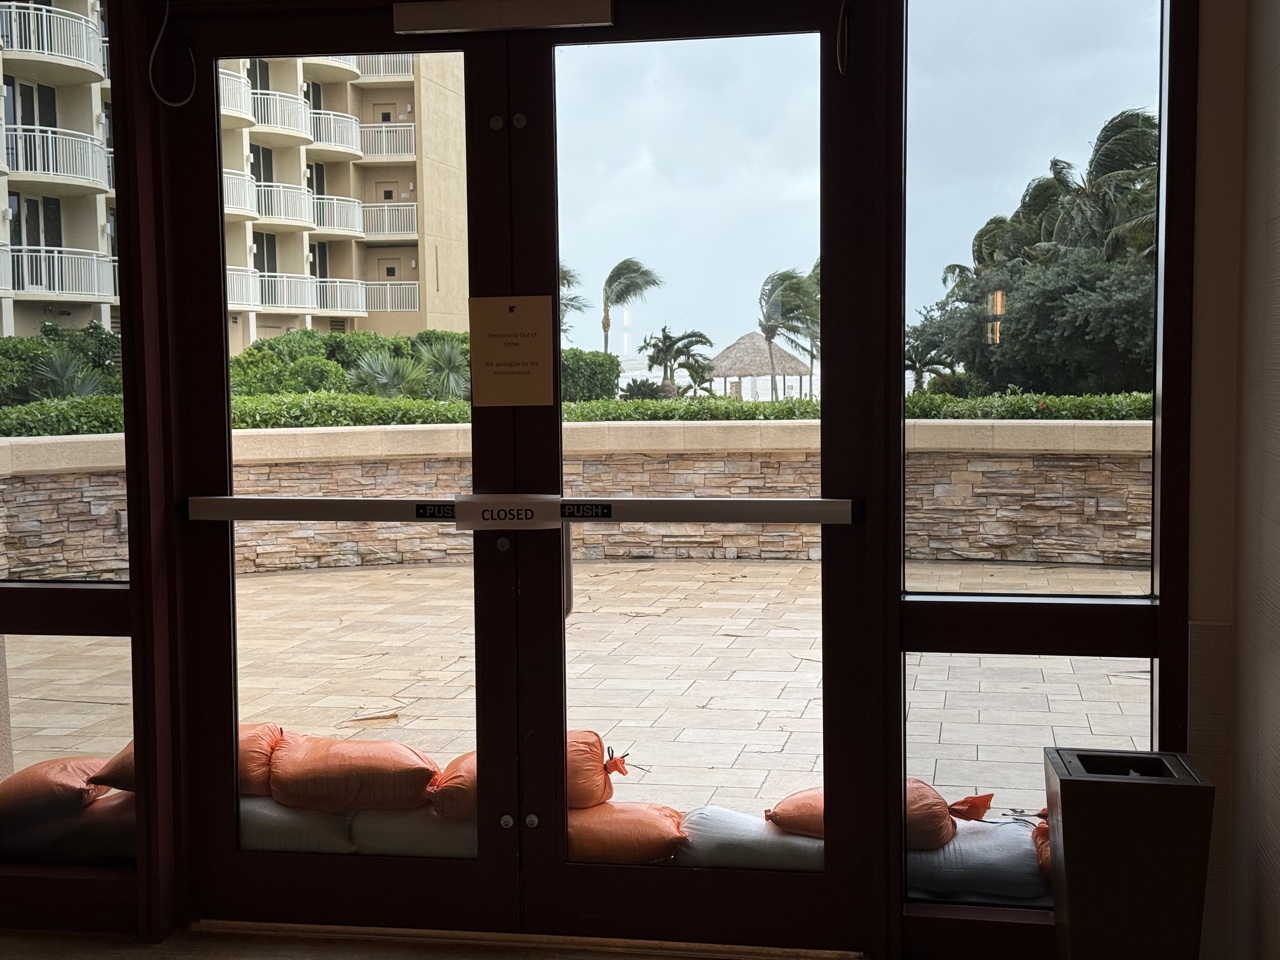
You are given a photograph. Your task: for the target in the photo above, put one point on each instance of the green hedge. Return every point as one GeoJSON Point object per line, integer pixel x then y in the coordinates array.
{"type": "Point", "coordinates": [104, 414]}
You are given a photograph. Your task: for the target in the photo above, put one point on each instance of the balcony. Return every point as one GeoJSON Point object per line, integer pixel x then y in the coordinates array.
{"type": "Point", "coordinates": [346, 297]}
{"type": "Point", "coordinates": [61, 272]}
{"type": "Point", "coordinates": [242, 288]}
{"type": "Point", "coordinates": [286, 206]}
{"type": "Point", "coordinates": [6, 268]}
{"type": "Point", "coordinates": [106, 61]}
{"type": "Point", "coordinates": [330, 69]}
{"type": "Point", "coordinates": [291, 292]}
{"type": "Point", "coordinates": [391, 221]}
{"type": "Point", "coordinates": [385, 143]}
{"type": "Point", "coordinates": [339, 216]}
{"type": "Point", "coordinates": [111, 169]}
{"type": "Point", "coordinates": [336, 135]}
{"type": "Point", "coordinates": [384, 70]}
{"type": "Point", "coordinates": [235, 99]}
{"type": "Point", "coordinates": [283, 119]}
{"type": "Point", "coordinates": [239, 196]}
{"type": "Point", "coordinates": [397, 297]}
{"type": "Point", "coordinates": [64, 163]}
{"type": "Point", "coordinates": [51, 46]}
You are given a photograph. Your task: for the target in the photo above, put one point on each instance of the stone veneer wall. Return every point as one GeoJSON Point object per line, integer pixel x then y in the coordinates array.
{"type": "Point", "coordinates": [1051, 491]}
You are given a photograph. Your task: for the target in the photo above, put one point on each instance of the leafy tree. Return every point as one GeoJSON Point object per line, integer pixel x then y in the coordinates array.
{"type": "Point", "coordinates": [669, 352]}
{"type": "Point", "coordinates": [788, 310]}
{"type": "Point", "coordinates": [628, 282]}
{"type": "Point", "coordinates": [588, 375]}
{"type": "Point", "coordinates": [641, 390]}
{"type": "Point", "coordinates": [570, 302]}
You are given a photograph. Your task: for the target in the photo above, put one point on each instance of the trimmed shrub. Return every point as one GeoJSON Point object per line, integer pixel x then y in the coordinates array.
{"type": "Point", "coordinates": [690, 408]}
{"type": "Point", "coordinates": [309, 374]}
{"type": "Point", "coordinates": [256, 371]}
{"type": "Point", "coordinates": [347, 348]}
{"type": "Point", "coordinates": [65, 417]}
{"type": "Point", "coordinates": [588, 375]}
{"type": "Point", "coordinates": [429, 338]}
{"type": "Point", "coordinates": [95, 344]}
{"type": "Point", "coordinates": [285, 410]}
{"type": "Point", "coordinates": [293, 346]}
{"type": "Point", "coordinates": [19, 358]}
{"type": "Point", "coordinates": [1030, 406]}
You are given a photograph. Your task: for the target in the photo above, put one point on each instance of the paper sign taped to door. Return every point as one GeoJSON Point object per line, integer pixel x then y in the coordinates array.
{"type": "Point", "coordinates": [512, 352]}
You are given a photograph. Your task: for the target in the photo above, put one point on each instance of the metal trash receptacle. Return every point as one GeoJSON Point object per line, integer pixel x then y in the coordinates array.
{"type": "Point", "coordinates": [1129, 849]}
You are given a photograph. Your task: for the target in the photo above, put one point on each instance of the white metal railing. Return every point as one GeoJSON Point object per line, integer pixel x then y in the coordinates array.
{"type": "Point", "coordinates": [286, 201]}
{"type": "Point", "coordinates": [62, 153]}
{"type": "Point", "coordinates": [6, 268]}
{"type": "Point", "coordinates": [345, 61]}
{"type": "Point", "coordinates": [242, 287]}
{"type": "Point", "coordinates": [382, 219]}
{"type": "Point", "coordinates": [287, 111]}
{"type": "Point", "coordinates": [106, 60]}
{"type": "Point", "coordinates": [111, 168]}
{"type": "Point", "coordinates": [337, 129]}
{"type": "Point", "coordinates": [338, 213]}
{"type": "Point", "coordinates": [239, 192]}
{"type": "Point", "coordinates": [391, 297]}
{"type": "Point", "coordinates": [36, 28]}
{"type": "Point", "coordinates": [85, 273]}
{"type": "Point", "coordinates": [385, 65]}
{"type": "Point", "coordinates": [292, 291]}
{"type": "Point", "coordinates": [386, 139]}
{"type": "Point", "coordinates": [235, 93]}
{"type": "Point", "coordinates": [345, 296]}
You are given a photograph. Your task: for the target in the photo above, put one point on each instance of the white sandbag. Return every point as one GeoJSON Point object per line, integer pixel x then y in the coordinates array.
{"type": "Point", "coordinates": [719, 837]}
{"type": "Point", "coordinates": [413, 833]}
{"type": "Point", "coordinates": [266, 825]}
{"type": "Point", "coordinates": [983, 859]}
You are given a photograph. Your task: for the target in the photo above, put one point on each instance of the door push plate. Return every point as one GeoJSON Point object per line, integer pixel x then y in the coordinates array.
{"type": "Point", "coordinates": [501, 511]}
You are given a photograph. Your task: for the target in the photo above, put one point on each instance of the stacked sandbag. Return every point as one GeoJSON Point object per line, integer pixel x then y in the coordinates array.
{"type": "Point", "coordinates": [320, 773]}
{"type": "Point", "coordinates": [718, 837]}
{"type": "Point", "coordinates": [50, 812]}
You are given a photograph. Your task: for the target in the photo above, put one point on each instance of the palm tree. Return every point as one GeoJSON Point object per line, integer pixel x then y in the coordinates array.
{"type": "Point", "coordinates": [920, 359]}
{"type": "Point", "coordinates": [64, 373]}
{"type": "Point", "coordinates": [379, 373]}
{"type": "Point", "coordinates": [698, 367]}
{"type": "Point", "coordinates": [448, 370]}
{"type": "Point", "coordinates": [570, 302]}
{"type": "Point", "coordinates": [670, 352]}
{"type": "Point", "coordinates": [788, 309]}
{"type": "Point", "coordinates": [627, 282]}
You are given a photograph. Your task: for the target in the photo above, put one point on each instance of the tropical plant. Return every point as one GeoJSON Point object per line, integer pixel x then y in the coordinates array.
{"type": "Point", "coordinates": [788, 311]}
{"type": "Point", "coordinates": [65, 373]}
{"type": "Point", "coordinates": [669, 352]}
{"type": "Point", "coordinates": [448, 370]}
{"type": "Point", "coordinates": [627, 282]}
{"type": "Point", "coordinates": [641, 390]}
{"type": "Point", "coordinates": [570, 302]}
{"type": "Point", "coordinates": [380, 374]}
{"type": "Point", "coordinates": [698, 368]}
{"type": "Point", "coordinates": [921, 359]}
{"type": "Point", "coordinates": [588, 375]}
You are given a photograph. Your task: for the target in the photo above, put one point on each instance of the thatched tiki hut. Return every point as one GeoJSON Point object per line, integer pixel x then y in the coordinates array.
{"type": "Point", "coordinates": [748, 356]}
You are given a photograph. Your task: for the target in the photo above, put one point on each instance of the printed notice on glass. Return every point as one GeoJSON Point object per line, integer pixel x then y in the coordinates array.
{"type": "Point", "coordinates": [512, 354]}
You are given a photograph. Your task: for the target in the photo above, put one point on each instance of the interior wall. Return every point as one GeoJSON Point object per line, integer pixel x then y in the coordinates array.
{"type": "Point", "coordinates": [1256, 848]}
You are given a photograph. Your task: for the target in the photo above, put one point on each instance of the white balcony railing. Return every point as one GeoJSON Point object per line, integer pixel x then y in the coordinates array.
{"type": "Point", "coordinates": [338, 213]}
{"type": "Point", "coordinates": [386, 139]}
{"type": "Point", "coordinates": [289, 291]}
{"type": "Point", "coordinates": [286, 111]}
{"type": "Point", "coordinates": [242, 287]}
{"type": "Point", "coordinates": [391, 297]}
{"type": "Point", "coordinates": [234, 92]}
{"type": "Point", "coordinates": [111, 168]}
{"type": "Point", "coordinates": [84, 273]}
{"type": "Point", "coordinates": [36, 28]}
{"type": "Point", "coordinates": [343, 296]}
{"type": "Point", "coordinates": [106, 59]}
{"type": "Point", "coordinates": [239, 192]}
{"type": "Point", "coordinates": [61, 153]}
{"type": "Point", "coordinates": [335, 129]}
{"type": "Point", "coordinates": [286, 201]}
{"type": "Point", "coordinates": [6, 268]}
{"type": "Point", "coordinates": [385, 65]}
{"type": "Point", "coordinates": [385, 219]}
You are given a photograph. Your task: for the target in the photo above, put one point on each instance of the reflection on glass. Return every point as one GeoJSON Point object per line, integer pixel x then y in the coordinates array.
{"type": "Point", "coordinates": [1030, 252]}
{"type": "Point", "coordinates": [976, 731]}
{"type": "Point", "coordinates": [66, 751]}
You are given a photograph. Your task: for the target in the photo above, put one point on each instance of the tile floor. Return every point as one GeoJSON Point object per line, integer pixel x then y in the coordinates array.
{"type": "Point", "coordinates": [707, 673]}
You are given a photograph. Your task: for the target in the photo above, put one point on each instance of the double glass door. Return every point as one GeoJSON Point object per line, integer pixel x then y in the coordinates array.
{"type": "Point", "coordinates": [485, 648]}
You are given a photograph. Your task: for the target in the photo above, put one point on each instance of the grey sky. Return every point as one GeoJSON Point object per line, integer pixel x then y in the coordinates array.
{"type": "Point", "coordinates": [700, 158]}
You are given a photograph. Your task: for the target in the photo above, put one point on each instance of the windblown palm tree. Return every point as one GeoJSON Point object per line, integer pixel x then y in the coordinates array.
{"type": "Point", "coordinates": [570, 302]}
{"type": "Point", "coordinates": [627, 282]}
{"type": "Point", "coordinates": [672, 352]}
{"type": "Point", "coordinates": [920, 360]}
{"type": "Point", "coordinates": [789, 311]}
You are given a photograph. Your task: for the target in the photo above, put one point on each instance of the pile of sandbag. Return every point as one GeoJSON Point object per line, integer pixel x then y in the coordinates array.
{"type": "Point", "coordinates": [60, 811]}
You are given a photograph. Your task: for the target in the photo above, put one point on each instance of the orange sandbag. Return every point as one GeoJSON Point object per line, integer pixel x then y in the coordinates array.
{"type": "Point", "coordinates": [1040, 834]}
{"type": "Point", "coordinates": [800, 813]}
{"type": "Point", "coordinates": [118, 771]}
{"type": "Point", "coordinates": [102, 833]}
{"type": "Point", "coordinates": [258, 741]}
{"type": "Point", "coordinates": [46, 790]}
{"type": "Point", "coordinates": [453, 793]}
{"type": "Point", "coordinates": [342, 775]}
{"type": "Point", "coordinates": [624, 833]}
{"type": "Point", "coordinates": [929, 823]}
{"type": "Point", "coordinates": [588, 782]}
{"type": "Point", "coordinates": [971, 808]}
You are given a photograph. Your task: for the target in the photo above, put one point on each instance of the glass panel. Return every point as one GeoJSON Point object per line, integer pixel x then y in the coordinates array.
{"type": "Point", "coordinates": [63, 513]}
{"type": "Point", "coordinates": [1030, 279]}
{"type": "Point", "coordinates": [689, 247]}
{"type": "Point", "coordinates": [978, 725]}
{"type": "Point", "coordinates": [66, 715]}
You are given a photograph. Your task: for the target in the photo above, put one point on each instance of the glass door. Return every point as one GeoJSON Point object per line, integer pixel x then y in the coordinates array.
{"type": "Point", "coordinates": [481, 647]}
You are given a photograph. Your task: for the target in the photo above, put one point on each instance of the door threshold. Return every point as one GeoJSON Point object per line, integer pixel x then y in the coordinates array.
{"type": "Point", "coordinates": [586, 946]}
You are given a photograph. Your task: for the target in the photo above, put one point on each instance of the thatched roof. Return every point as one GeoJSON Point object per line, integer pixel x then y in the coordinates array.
{"type": "Point", "coordinates": [748, 356]}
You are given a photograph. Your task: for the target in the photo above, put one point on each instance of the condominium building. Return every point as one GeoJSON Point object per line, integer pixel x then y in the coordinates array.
{"type": "Point", "coordinates": [344, 189]}
{"type": "Point", "coordinates": [59, 262]}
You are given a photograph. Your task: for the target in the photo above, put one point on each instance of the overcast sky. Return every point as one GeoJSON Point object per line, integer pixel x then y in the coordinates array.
{"type": "Point", "coordinates": [700, 158]}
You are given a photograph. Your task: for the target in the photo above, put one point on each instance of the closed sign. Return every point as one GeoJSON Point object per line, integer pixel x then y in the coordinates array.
{"type": "Point", "coordinates": [508, 512]}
